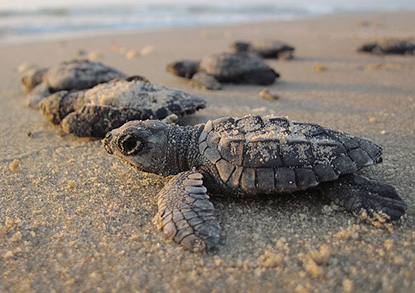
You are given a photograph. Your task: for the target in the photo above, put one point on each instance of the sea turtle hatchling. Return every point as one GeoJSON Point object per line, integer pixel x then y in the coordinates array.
{"type": "Point", "coordinates": [265, 49]}
{"type": "Point", "coordinates": [389, 46]}
{"type": "Point", "coordinates": [106, 106]}
{"type": "Point", "coordinates": [214, 69]}
{"type": "Point", "coordinates": [248, 156]}
{"type": "Point", "coordinates": [39, 83]}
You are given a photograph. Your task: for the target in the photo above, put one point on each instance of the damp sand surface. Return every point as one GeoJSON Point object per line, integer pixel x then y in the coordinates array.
{"type": "Point", "coordinates": [75, 219]}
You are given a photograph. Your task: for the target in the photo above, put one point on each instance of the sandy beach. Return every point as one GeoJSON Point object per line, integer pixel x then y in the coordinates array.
{"type": "Point", "coordinates": [75, 219]}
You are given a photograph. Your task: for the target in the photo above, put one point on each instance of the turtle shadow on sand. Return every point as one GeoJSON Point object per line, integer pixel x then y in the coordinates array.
{"type": "Point", "coordinates": [249, 156]}
{"type": "Point", "coordinates": [214, 69]}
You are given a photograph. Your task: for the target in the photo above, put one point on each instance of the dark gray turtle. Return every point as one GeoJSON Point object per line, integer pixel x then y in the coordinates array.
{"type": "Point", "coordinates": [71, 75]}
{"type": "Point", "coordinates": [224, 67]}
{"type": "Point", "coordinates": [389, 46]}
{"type": "Point", "coordinates": [265, 49]}
{"type": "Point", "coordinates": [247, 156]}
{"type": "Point", "coordinates": [96, 111]}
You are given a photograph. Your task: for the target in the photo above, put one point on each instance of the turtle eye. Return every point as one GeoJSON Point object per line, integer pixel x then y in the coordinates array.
{"type": "Point", "coordinates": [130, 145]}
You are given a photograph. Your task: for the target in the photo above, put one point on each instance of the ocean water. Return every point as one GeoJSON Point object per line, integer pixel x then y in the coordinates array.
{"type": "Point", "coordinates": [28, 19]}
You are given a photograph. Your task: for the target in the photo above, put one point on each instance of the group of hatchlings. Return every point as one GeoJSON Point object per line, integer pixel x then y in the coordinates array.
{"type": "Point", "coordinates": [234, 156]}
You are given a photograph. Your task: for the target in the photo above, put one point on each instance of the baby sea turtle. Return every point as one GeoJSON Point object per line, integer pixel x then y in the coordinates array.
{"type": "Point", "coordinates": [224, 67]}
{"type": "Point", "coordinates": [248, 156]}
{"type": "Point", "coordinates": [389, 46]}
{"type": "Point", "coordinates": [96, 111]}
{"type": "Point", "coordinates": [69, 75]}
{"type": "Point", "coordinates": [265, 49]}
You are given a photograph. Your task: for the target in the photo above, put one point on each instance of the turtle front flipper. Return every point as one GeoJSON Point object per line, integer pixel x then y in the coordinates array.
{"type": "Point", "coordinates": [356, 193]}
{"type": "Point", "coordinates": [183, 68]}
{"type": "Point", "coordinates": [59, 104]}
{"type": "Point", "coordinates": [97, 120]}
{"type": "Point", "coordinates": [186, 214]}
{"type": "Point", "coordinates": [32, 78]}
{"type": "Point", "coordinates": [205, 81]}
{"type": "Point", "coordinates": [40, 92]}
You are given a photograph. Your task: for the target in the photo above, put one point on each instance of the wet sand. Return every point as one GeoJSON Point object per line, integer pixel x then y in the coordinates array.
{"type": "Point", "coordinates": [75, 219]}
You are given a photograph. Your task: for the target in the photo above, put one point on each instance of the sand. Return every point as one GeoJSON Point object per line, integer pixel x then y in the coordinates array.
{"type": "Point", "coordinates": [75, 219]}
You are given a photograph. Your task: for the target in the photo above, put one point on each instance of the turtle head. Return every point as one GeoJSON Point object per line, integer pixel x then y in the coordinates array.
{"type": "Point", "coordinates": [142, 144]}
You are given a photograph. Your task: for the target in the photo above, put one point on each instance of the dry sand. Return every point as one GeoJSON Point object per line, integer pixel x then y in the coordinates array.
{"type": "Point", "coordinates": [74, 219]}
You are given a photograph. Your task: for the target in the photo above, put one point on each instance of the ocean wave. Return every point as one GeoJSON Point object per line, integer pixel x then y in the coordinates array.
{"type": "Point", "coordinates": [55, 20]}
{"type": "Point", "coordinates": [154, 9]}
{"type": "Point", "coordinates": [41, 20]}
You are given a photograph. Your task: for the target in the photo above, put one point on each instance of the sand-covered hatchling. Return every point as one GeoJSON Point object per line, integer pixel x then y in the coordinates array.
{"type": "Point", "coordinates": [219, 68]}
{"type": "Point", "coordinates": [265, 49]}
{"type": "Point", "coordinates": [248, 156]}
{"type": "Point", "coordinates": [40, 83]}
{"type": "Point", "coordinates": [389, 46]}
{"type": "Point", "coordinates": [106, 106]}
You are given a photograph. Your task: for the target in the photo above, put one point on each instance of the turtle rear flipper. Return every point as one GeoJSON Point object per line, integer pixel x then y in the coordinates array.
{"type": "Point", "coordinates": [356, 193]}
{"type": "Point", "coordinates": [186, 213]}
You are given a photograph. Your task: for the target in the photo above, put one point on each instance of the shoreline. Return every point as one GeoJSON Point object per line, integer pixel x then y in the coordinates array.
{"type": "Point", "coordinates": [50, 37]}
{"type": "Point", "coordinates": [74, 35]}
{"type": "Point", "coordinates": [76, 219]}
